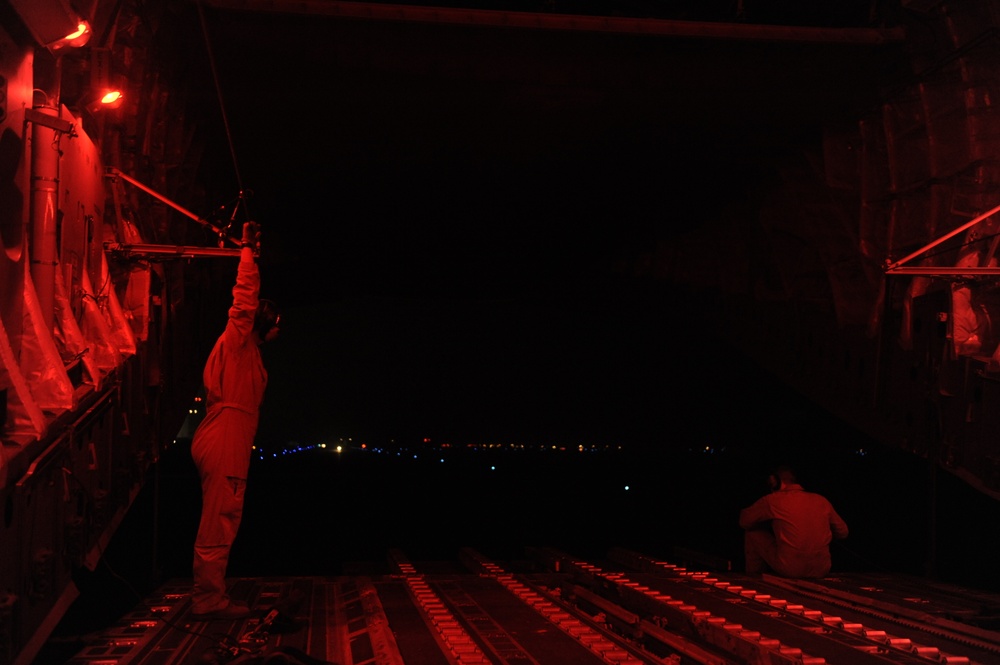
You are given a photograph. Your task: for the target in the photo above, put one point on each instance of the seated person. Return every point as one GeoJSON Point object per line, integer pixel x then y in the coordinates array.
{"type": "Point", "coordinates": [788, 531]}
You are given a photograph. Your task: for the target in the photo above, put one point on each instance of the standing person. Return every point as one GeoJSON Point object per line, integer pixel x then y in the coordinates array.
{"type": "Point", "coordinates": [235, 379]}
{"type": "Point", "coordinates": [789, 530]}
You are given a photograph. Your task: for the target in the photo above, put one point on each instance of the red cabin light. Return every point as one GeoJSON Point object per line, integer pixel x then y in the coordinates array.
{"type": "Point", "coordinates": [111, 99]}
{"type": "Point", "coordinates": [75, 39]}
{"type": "Point", "coordinates": [80, 36]}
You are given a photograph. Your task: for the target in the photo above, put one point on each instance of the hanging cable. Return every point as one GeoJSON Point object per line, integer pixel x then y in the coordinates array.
{"type": "Point", "coordinates": [225, 119]}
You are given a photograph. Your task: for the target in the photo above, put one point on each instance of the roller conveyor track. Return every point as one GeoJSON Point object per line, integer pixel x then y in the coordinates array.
{"type": "Point", "coordinates": [557, 609]}
{"type": "Point", "coordinates": [852, 610]}
{"type": "Point", "coordinates": [944, 604]}
{"type": "Point", "coordinates": [913, 615]}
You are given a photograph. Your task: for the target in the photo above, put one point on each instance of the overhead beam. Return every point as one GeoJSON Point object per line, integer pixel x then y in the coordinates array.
{"type": "Point", "coordinates": [565, 22]}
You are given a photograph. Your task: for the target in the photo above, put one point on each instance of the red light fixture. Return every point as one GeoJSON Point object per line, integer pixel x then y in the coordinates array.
{"type": "Point", "coordinates": [112, 99]}
{"type": "Point", "coordinates": [75, 39]}
{"type": "Point", "coordinates": [105, 100]}
{"type": "Point", "coordinates": [105, 84]}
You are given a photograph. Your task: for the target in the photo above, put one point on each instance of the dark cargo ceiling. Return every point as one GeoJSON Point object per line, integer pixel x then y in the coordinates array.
{"type": "Point", "coordinates": [370, 121]}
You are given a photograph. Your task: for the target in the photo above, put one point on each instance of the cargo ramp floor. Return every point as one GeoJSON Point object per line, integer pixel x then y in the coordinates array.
{"type": "Point", "coordinates": [552, 608]}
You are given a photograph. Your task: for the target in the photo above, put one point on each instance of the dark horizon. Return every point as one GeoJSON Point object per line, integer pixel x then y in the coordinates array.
{"type": "Point", "coordinates": [322, 513]}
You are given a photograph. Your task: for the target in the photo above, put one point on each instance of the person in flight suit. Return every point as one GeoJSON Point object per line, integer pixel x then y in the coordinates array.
{"type": "Point", "coordinates": [234, 378]}
{"type": "Point", "coordinates": [788, 531]}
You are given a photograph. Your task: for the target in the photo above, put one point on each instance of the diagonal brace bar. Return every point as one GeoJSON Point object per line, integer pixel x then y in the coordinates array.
{"type": "Point", "coordinates": [115, 173]}
{"type": "Point", "coordinates": [892, 267]}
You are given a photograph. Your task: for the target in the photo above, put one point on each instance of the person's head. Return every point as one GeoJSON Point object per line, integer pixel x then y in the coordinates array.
{"type": "Point", "coordinates": [782, 476]}
{"type": "Point", "coordinates": [266, 321]}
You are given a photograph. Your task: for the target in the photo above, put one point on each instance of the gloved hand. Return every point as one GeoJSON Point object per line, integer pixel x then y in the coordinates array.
{"type": "Point", "coordinates": [251, 234]}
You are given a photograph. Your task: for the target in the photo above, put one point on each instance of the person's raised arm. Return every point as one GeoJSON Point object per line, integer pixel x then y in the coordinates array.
{"type": "Point", "coordinates": [247, 288]}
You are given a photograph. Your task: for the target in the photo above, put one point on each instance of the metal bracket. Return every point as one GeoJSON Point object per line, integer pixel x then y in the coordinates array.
{"type": "Point", "coordinates": [167, 251]}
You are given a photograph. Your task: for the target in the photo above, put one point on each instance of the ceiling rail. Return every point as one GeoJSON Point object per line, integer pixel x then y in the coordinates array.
{"type": "Point", "coordinates": [566, 22]}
